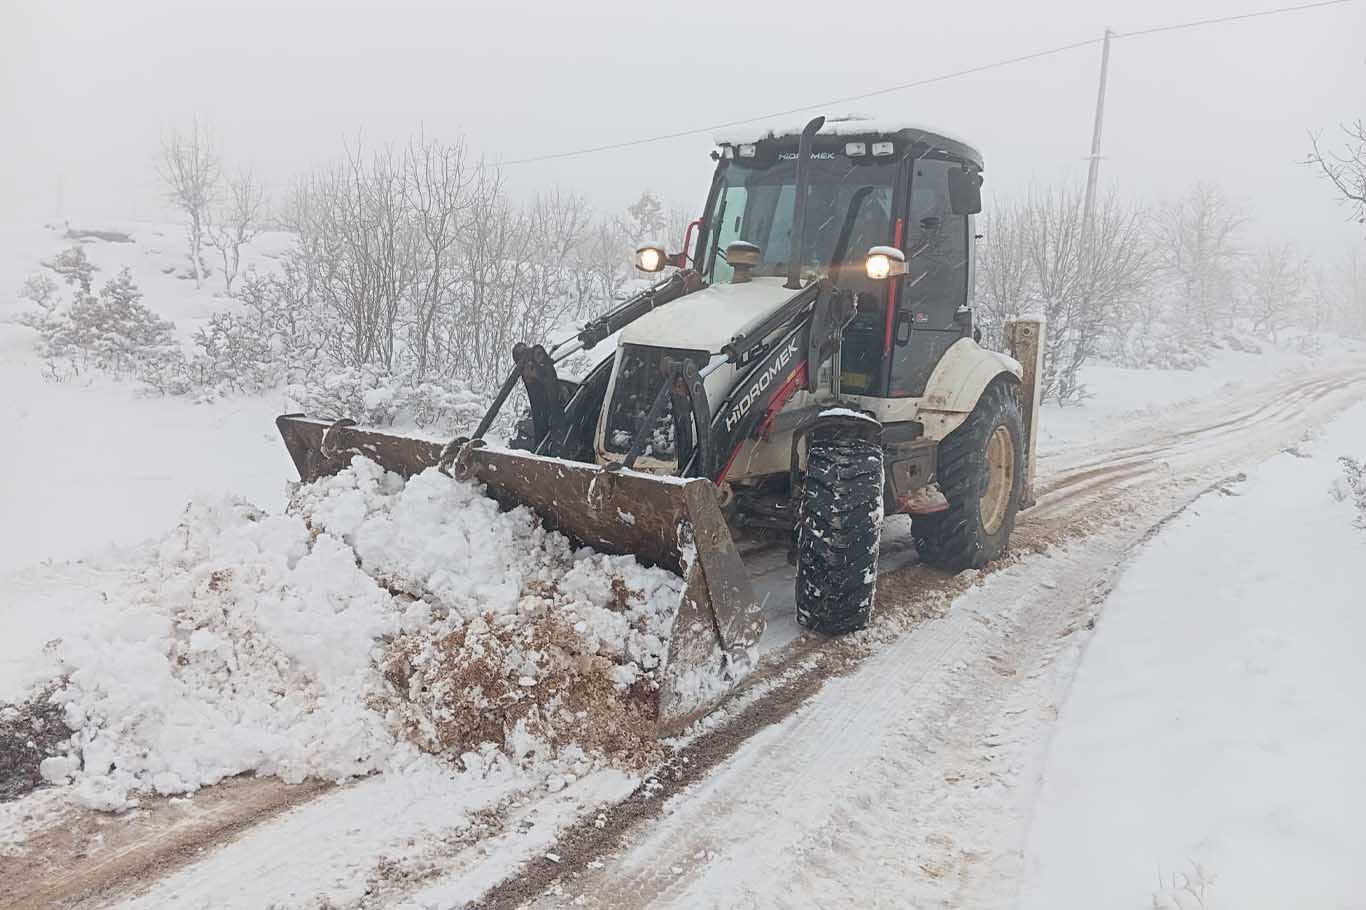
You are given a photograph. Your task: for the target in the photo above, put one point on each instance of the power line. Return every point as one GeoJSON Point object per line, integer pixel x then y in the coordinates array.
{"type": "Point", "coordinates": [809, 107]}
{"type": "Point", "coordinates": [1197, 23]}
{"type": "Point", "coordinates": [943, 77]}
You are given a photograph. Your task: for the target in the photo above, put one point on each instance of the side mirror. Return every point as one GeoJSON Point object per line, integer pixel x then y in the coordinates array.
{"type": "Point", "coordinates": [965, 191]}
{"type": "Point", "coordinates": [884, 262]}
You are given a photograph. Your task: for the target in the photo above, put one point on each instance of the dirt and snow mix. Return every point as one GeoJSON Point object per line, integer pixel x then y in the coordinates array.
{"type": "Point", "coordinates": [373, 619]}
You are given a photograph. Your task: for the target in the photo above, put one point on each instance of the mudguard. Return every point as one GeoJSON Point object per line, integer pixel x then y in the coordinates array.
{"type": "Point", "coordinates": [958, 381]}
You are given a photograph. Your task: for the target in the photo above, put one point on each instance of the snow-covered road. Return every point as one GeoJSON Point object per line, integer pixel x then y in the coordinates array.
{"type": "Point", "coordinates": [907, 778]}
{"type": "Point", "coordinates": [912, 781]}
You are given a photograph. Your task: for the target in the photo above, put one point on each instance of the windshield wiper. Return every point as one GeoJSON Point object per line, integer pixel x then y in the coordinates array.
{"type": "Point", "coordinates": [847, 229]}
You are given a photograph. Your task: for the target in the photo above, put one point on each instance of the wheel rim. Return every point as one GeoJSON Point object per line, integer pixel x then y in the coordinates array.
{"type": "Point", "coordinates": [1000, 479]}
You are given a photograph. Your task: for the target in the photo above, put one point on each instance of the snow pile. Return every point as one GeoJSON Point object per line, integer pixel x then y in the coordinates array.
{"type": "Point", "coordinates": [374, 615]}
{"type": "Point", "coordinates": [244, 643]}
{"type": "Point", "coordinates": [512, 637]}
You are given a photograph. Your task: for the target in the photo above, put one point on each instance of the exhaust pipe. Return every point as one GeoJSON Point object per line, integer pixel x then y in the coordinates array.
{"type": "Point", "coordinates": [794, 260]}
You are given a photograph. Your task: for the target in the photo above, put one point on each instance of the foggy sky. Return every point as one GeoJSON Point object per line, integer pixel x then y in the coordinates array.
{"type": "Point", "coordinates": [89, 86]}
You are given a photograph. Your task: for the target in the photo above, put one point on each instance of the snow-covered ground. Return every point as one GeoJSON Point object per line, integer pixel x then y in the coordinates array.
{"type": "Point", "coordinates": [91, 463]}
{"type": "Point", "coordinates": [1119, 394]}
{"type": "Point", "coordinates": [1208, 724]}
{"type": "Point", "coordinates": [1214, 731]}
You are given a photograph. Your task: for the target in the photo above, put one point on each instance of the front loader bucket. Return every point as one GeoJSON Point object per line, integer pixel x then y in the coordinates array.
{"type": "Point", "coordinates": [667, 521]}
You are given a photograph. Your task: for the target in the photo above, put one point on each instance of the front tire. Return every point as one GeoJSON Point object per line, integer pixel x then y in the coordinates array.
{"type": "Point", "coordinates": [981, 474]}
{"type": "Point", "coordinates": [839, 527]}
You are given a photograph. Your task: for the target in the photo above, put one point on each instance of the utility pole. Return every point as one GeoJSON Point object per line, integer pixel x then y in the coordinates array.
{"type": "Point", "coordinates": [1093, 173]}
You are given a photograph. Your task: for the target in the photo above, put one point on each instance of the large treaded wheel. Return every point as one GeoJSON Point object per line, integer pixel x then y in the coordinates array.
{"type": "Point", "coordinates": [839, 525]}
{"type": "Point", "coordinates": [981, 474]}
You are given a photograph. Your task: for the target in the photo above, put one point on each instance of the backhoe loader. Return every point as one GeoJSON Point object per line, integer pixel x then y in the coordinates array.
{"type": "Point", "coordinates": [807, 365]}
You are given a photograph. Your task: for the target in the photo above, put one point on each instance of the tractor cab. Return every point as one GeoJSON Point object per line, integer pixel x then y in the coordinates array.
{"type": "Point", "coordinates": [871, 184]}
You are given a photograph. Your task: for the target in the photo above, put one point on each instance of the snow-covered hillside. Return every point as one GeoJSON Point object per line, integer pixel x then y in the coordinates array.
{"type": "Point", "coordinates": [155, 253]}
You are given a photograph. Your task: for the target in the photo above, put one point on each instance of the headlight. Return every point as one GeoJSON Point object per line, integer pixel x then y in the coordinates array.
{"type": "Point", "coordinates": [884, 262]}
{"type": "Point", "coordinates": [650, 257]}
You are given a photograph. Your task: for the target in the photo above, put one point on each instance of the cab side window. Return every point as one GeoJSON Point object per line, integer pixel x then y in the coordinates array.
{"type": "Point", "coordinates": [936, 250]}
{"type": "Point", "coordinates": [936, 283]}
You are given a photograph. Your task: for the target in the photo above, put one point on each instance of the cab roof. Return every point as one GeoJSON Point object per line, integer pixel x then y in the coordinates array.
{"type": "Point", "coordinates": [854, 125]}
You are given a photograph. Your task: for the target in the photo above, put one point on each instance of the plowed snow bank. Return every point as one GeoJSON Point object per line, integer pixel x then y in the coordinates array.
{"type": "Point", "coordinates": [1209, 751]}
{"type": "Point", "coordinates": [374, 618]}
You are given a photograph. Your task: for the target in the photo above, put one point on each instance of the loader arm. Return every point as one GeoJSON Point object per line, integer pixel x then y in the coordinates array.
{"type": "Point", "coordinates": [534, 365]}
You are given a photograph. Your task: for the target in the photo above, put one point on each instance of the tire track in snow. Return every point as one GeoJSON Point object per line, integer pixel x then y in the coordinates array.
{"type": "Point", "coordinates": [87, 856]}
{"type": "Point", "coordinates": [982, 681]}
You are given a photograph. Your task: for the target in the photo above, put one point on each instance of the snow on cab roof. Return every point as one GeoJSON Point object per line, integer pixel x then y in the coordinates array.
{"type": "Point", "coordinates": [845, 125]}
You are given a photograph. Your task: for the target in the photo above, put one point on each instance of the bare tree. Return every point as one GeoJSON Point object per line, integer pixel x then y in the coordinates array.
{"type": "Point", "coordinates": [440, 188]}
{"type": "Point", "coordinates": [361, 253]}
{"type": "Point", "coordinates": [1081, 279]}
{"type": "Point", "coordinates": [1037, 255]}
{"type": "Point", "coordinates": [1275, 289]}
{"type": "Point", "coordinates": [190, 170]}
{"type": "Point", "coordinates": [237, 222]}
{"type": "Point", "coordinates": [1345, 169]}
{"type": "Point", "coordinates": [607, 256]}
{"type": "Point", "coordinates": [414, 266]}
{"type": "Point", "coordinates": [1003, 269]}
{"type": "Point", "coordinates": [1198, 252]}
{"type": "Point", "coordinates": [646, 219]}
{"type": "Point", "coordinates": [564, 290]}
{"type": "Point", "coordinates": [677, 220]}
{"type": "Point", "coordinates": [494, 259]}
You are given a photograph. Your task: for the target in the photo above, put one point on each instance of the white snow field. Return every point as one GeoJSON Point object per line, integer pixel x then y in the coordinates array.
{"type": "Point", "coordinates": [1214, 733]}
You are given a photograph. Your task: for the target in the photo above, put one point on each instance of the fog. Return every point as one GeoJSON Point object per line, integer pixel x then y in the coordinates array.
{"type": "Point", "coordinates": [90, 86]}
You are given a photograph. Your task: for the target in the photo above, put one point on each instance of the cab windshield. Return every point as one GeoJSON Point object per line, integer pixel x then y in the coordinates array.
{"type": "Point", "coordinates": [848, 210]}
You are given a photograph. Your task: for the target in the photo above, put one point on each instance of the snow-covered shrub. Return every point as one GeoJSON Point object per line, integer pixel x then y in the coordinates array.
{"type": "Point", "coordinates": [272, 337]}
{"type": "Point", "coordinates": [111, 331]}
{"type": "Point", "coordinates": [186, 272]}
{"type": "Point", "coordinates": [41, 291]}
{"type": "Point", "coordinates": [1241, 344]}
{"type": "Point", "coordinates": [1160, 347]}
{"type": "Point", "coordinates": [376, 398]}
{"type": "Point", "coordinates": [1352, 485]}
{"type": "Point", "coordinates": [74, 267]}
{"type": "Point", "coordinates": [1309, 344]}
{"type": "Point", "coordinates": [1184, 890]}
{"type": "Point", "coordinates": [234, 354]}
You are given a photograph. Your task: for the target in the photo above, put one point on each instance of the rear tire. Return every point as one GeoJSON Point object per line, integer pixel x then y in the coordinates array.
{"type": "Point", "coordinates": [839, 527]}
{"type": "Point", "coordinates": [981, 474]}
